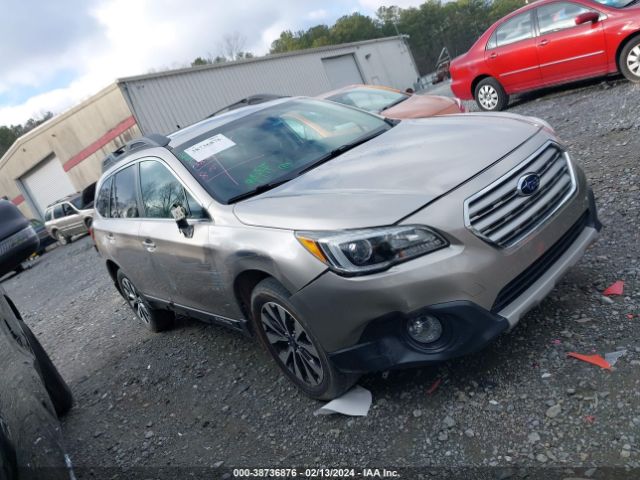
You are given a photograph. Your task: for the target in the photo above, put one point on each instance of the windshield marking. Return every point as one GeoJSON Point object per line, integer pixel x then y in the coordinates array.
{"type": "Point", "coordinates": [209, 147]}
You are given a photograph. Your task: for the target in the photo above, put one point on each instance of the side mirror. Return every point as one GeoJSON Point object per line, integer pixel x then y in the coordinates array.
{"type": "Point", "coordinates": [587, 17]}
{"type": "Point", "coordinates": [179, 214]}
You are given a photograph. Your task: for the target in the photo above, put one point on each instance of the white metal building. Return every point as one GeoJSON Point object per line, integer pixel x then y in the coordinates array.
{"type": "Point", "coordinates": [162, 102]}
{"type": "Point", "coordinates": [64, 154]}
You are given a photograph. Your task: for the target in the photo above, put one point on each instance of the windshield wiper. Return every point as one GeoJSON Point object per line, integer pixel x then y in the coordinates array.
{"type": "Point", "coordinates": [340, 150]}
{"type": "Point", "coordinates": [260, 189]}
{"type": "Point", "coordinates": [393, 104]}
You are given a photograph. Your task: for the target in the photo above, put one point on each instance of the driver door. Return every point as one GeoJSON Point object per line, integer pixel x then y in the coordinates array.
{"type": "Point", "coordinates": [568, 51]}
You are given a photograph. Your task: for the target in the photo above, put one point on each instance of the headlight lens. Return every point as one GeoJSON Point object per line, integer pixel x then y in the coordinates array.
{"type": "Point", "coordinates": [356, 252]}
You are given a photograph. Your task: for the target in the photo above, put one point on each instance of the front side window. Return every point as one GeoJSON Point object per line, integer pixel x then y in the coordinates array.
{"type": "Point", "coordinates": [124, 203]}
{"type": "Point", "coordinates": [77, 202]}
{"type": "Point", "coordinates": [48, 215]}
{"type": "Point", "coordinates": [617, 3]}
{"type": "Point", "coordinates": [68, 209]}
{"type": "Point", "coordinates": [558, 16]}
{"type": "Point", "coordinates": [514, 30]}
{"type": "Point", "coordinates": [370, 99]}
{"type": "Point", "coordinates": [161, 190]}
{"type": "Point", "coordinates": [269, 146]}
{"type": "Point", "coordinates": [102, 201]}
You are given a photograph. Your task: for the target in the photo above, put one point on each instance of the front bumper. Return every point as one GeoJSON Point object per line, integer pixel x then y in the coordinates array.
{"type": "Point", "coordinates": [467, 327]}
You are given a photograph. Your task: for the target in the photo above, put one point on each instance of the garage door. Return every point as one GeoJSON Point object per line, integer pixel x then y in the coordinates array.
{"type": "Point", "coordinates": [47, 183]}
{"type": "Point", "coordinates": [342, 70]}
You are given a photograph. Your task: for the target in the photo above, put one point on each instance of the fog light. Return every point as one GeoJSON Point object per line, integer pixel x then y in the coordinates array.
{"type": "Point", "coordinates": [424, 328]}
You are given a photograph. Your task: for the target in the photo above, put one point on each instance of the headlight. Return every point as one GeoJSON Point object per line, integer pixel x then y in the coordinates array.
{"type": "Point", "coordinates": [356, 252]}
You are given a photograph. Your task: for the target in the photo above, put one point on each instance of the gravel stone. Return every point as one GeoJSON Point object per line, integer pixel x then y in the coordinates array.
{"type": "Point", "coordinates": [554, 411]}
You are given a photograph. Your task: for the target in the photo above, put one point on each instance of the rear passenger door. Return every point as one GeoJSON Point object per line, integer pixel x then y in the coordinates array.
{"type": "Point", "coordinates": [187, 275]}
{"type": "Point", "coordinates": [511, 54]}
{"type": "Point", "coordinates": [119, 235]}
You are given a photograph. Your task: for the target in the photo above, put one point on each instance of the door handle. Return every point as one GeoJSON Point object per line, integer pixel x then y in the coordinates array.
{"type": "Point", "coordinates": [493, 55]}
{"type": "Point", "coordinates": [149, 245]}
{"type": "Point", "coordinates": [543, 42]}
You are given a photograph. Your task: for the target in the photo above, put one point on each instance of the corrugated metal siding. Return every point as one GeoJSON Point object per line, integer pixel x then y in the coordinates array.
{"type": "Point", "coordinates": [167, 101]}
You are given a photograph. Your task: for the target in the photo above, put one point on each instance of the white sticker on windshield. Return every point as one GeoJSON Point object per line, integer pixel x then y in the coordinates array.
{"type": "Point", "coordinates": [210, 146]}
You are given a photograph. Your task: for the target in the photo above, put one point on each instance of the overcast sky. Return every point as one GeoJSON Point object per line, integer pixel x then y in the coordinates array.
{"type": "Point", "coordinates": [55, 54]}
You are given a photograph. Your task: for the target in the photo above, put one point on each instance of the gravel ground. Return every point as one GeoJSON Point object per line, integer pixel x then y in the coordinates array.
{"type": "Point", "coordinates": [201, 395]}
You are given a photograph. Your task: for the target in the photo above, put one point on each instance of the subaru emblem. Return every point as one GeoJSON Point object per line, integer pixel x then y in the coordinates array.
{"type": "Point", "coordinates": [528, 184]}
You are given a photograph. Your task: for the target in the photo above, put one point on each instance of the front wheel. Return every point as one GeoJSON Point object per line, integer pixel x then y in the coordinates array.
{"type": "Point", "coordinates": [490, 96]}
{"type": "Point", "coordinates": [293, 346]}
{"type": "Point", "coordinates": [156, 320]}
{"type": "Point", "coordinates": [629, 60]}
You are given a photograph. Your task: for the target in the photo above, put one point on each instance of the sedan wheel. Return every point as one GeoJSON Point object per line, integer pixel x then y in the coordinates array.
{"type": "Point", "coordinates": [292, 344]}
{"type": "Point", "coordinates": [633, 61]}
{"type": "Point", "coordinates": [629, 60]}
{"type": "Point", "coordinates": [488, 97]}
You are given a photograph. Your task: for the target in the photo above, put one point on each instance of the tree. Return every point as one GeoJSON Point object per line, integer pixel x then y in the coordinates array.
{"type": "Point", "coordinates": [352, 28]}
{"type": "Point", "coordinates": [9, 134]}
{"type": "Point", "coordinates": [232, 45]}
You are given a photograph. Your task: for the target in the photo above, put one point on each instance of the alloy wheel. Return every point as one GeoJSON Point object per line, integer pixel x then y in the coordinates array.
{"type": "Point", "coordinates": [135, 300]}
{"type": "Point", "coordinates": [488, 97]}
{"type": "Point", "coordinates": [291, 343]}
{"type": "Point", "coordinates": [633, 60]}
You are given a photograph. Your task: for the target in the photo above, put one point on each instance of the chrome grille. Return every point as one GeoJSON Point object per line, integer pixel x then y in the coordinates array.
{"type": "Point", "coordinates": [502, 216]}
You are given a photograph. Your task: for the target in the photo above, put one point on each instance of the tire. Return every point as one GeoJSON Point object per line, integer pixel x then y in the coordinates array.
{"type": "Point", "coordinates": [8, 458]}
{"type": "Point", "coordinates": [156, 320]}
{"type": "Point", "coordinates": [292, 344]}
{"type": "Point", "coordinates": [61, 238]}
{"type": "Point", "coordinates": [490, 96]}
{"type": "Point", "coordinates": [56, 387]}
{"type": "Point", "coordinates": [629, 60]}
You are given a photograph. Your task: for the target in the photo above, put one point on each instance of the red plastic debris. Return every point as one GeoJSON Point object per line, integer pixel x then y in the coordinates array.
{"type": "Point", "coordinates": [615, 289]}
{"type": "Point", "coordinates": [593, 359]}
{"type": "Point", "coordinates": [589, 418]}
{"type": "Point", "coordinates": [434, 387]}
{"type": "Point", "coordinates": [630, 316]}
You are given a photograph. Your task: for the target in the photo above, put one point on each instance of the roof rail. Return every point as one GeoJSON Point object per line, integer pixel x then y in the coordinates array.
{"type": "Point", "coordinates": [148, 141]}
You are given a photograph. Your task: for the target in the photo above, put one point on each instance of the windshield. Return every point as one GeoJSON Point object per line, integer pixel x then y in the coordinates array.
{"type": "Point", "coordinates": [77, 202]}
{"type": "Point", "coordinates": [272, 144]}
{"type": "Point", "coordinates": [616, 3]}
{"type": "Point", "coordinates": [370, 99]}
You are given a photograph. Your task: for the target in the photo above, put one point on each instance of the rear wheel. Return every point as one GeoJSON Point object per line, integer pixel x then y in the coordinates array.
{"type": "Point", "coordinates": [154, 319]}
{"type": "Point", "coordinates": [61, 238]}
{"type": "Point", "coordinates": [629, 60]}
{"type": "Point", "coordinates": [292, 345]}
{"type": "Point", "coordinates": [490, 96]}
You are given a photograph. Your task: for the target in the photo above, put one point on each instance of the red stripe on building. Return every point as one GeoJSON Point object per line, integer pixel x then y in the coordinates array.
{"type": "Point", "coordinates": [98, 144]}
{"type": "Point", "coordinates": [18, 200]}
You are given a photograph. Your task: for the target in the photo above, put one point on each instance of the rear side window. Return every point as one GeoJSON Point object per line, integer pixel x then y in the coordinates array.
{"type": "Point", "coordinates": [48, 215]}
{"type": "Point", "coordinates": [558, 16]}
{"type": "Point", "coordinates": [102, 202]}
{"type": "Point", "coordinates": [124, 202]}
{"type": "Point", "coordinates": [514, 30]}
{"type": "Point", "coordinates": [58, 212]}
{"type": "Point", "coordinates": [161, 190]}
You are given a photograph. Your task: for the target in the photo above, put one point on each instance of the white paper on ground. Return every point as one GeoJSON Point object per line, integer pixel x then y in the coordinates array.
{"type": "Point", "coordinates": [355, 402]}
{"type": "Point", "coordinates": [613, 357]}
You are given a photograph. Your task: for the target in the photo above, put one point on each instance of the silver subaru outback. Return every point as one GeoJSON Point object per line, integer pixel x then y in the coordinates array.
{"type": "Point", "coordinates": [346, 242]}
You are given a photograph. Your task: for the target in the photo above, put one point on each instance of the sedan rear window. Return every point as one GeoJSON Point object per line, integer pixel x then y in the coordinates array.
{"type": "Point", "coordinates": [272, 144]}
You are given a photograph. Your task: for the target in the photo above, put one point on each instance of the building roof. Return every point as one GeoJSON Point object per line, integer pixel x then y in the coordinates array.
{"type": "Point", "coordinates": [264, 58]}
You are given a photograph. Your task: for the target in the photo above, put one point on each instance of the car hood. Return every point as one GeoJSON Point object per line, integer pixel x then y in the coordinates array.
{"type": "Point", "coordinates": [392, 175]}
{"type": "Point", "coordinates": [420, 106]}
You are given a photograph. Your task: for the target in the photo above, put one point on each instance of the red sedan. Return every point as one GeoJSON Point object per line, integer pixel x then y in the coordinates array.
{"type": "Point", "coordinates": [546, 43]}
